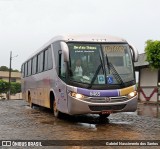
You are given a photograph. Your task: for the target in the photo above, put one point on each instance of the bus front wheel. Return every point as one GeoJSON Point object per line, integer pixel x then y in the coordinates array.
{"type": "Point", "coordinates": [55, 110]}
{"type": "Point", "coordinates": [104, 115]}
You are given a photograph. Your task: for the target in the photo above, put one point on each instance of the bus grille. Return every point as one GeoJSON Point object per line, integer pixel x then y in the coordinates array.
{"type": "Point", "coordinates": [105, 100]}
{"type": "Point", "coordinates": [101, 108]}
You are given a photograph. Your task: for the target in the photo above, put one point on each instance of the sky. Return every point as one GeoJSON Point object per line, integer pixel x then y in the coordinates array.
{"type": "Point", "coordinates": [26, 25]}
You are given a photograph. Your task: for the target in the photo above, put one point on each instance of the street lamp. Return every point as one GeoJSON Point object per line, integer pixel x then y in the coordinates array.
{"type": "Point", "coordinates": [10, 68]}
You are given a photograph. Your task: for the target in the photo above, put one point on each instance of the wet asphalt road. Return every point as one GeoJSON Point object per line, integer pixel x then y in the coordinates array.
{"type": "Point", "coordinates": [19, 121]}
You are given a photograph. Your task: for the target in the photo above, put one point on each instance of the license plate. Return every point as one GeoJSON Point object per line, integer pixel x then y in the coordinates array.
{"type": "Point", "coordinates": [106, 112]}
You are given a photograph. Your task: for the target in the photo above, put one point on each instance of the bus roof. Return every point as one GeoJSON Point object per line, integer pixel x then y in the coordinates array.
{"type": "Point", "coordinates": [87, 38]}
{"type": "Point", "coordinates": [80, 38]}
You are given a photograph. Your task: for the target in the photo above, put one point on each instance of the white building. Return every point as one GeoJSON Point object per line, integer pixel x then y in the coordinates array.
{"type": "Point", "coordinates": [149, 81]}
{"type": "Point", "coordinates": [15, 76]}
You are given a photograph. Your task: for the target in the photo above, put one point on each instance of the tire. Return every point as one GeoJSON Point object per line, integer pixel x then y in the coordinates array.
{"type": "Point", "coordinates": [30, 100]}
{"type": "Point", "coordinates": [55, 110]}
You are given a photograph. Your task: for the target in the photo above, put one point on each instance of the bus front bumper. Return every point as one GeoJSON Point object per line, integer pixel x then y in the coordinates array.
{"type": "Point", "coordinates": [77, 106]}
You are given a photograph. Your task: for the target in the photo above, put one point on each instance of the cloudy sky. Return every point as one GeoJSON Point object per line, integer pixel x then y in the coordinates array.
{"type": "Point", "coordinates": [25, 25]}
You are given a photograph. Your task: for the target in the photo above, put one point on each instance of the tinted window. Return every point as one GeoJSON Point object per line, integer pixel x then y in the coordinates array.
{"type": "Point", "coordinates": [25, 65]}
{"type": "Point", "coordinates": [40, 62]}
{"type": "Point", "coordinates": [62, 65]}
{"type": "Point", "coordinates": [22, 70]}
{"type": "Point", "coordinates": [29, 67]}
{"type": "Point", "coordinates": [34, 65]}
{"type": "Point", "coordinates": [50, 62]}
{"type": "Point", "coordinates": [45, 59]}
{"type": "Point", "coordinates": [13, 79]}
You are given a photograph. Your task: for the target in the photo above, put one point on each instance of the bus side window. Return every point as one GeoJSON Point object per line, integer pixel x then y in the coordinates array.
{"type": "Point", "coordinates": [26, 68]}
{"type": "Point", "coordinates": [46, 59]}
{"type": "Point", "coordinates": [34, 65]}
{"type": "Point", "coordinates": [40, 62]}
{"type": "Point", "coordinates": [22, 70]}
{"type": "Point", "coordinates": [50, 61]}
{"type": "Point", "coordinates": [29, 67]}
{"type": "Point", "coordinates": [62, 65]}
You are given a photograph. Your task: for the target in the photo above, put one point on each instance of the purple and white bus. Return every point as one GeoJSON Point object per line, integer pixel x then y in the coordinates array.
{"type": "Point", "coordinates": [82, 74]}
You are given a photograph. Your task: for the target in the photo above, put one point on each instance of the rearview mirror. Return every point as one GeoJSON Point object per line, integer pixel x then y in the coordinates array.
{"type": "Point", "coordinates": [65, 51]}
{"type": "Point", "coordinates": [135, 53]}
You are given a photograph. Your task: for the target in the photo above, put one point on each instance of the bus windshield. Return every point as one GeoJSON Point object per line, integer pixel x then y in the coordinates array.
{"type": "Point", "coordinates": [100, 63]}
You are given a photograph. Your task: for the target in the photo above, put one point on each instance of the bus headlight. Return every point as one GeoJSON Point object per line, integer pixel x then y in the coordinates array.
{"type": "Point", "coordinates": [76, 95]}
{"type": "Point", "coordinates": [132, 94]}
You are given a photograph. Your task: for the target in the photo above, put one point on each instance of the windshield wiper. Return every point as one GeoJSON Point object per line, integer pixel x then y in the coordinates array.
{"type": "Point", "coordinates": [108, 63]}
{"type": "Point", "coordinates": [115, 74]}
{"type": "Point", "coordinates": [95, 76]}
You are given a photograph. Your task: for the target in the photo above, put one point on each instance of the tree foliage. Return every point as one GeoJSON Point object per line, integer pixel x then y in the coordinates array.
{"type": "Point", "coordinates": [3, 86]}
{"type": "Point", "coordinates": [5, 68]}
{"type": "Point", "coordinates": [15, 87]}
{"type": "Point", "coordinates": [152, 50]}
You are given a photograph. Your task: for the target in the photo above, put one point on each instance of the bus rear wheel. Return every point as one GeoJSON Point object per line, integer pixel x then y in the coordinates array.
{"type": "Point", "coordinates": [30, 100]}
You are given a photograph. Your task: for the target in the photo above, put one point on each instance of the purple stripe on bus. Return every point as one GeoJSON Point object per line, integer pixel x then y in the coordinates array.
{"type": "Point", "coordinates": [98, 93]}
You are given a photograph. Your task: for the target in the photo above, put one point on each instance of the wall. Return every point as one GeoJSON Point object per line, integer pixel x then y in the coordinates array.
{"type": "Point", "coordinates": [16, 96]}
{"type": "Point", "coordinates": [4, 75]}
{"type": "Point", "coordinates": [148, 83]}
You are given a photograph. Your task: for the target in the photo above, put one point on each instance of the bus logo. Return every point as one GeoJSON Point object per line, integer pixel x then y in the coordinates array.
{"type": "Point", "coordinates": [107, 99]}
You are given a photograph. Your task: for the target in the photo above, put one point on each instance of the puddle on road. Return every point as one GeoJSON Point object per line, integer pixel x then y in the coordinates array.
{"type": "Point", "coordinates": [122, 122]}
{"type": "Point", "coordinates": [91, 121]}
{"type": "Point", "coordinates": [84, 122]}
{"type": "Point", "coordinates": [150, 110]}
{"type": "Point", "coordinates": [86, 125]}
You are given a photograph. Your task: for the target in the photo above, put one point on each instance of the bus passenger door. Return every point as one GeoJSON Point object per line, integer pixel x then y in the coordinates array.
{"type": "Point", "coordinates": [62, 90]}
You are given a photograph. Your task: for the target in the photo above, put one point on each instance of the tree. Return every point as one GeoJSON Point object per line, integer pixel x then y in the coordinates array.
{"type": "Point", "coordinates": [15, 87]}
{"type": "Point", "coordinates": [152, 50]}
{"type": "Point", "coordinates": [15, 70]}
{"type": "Point", "coordinates": [4, 68]}
{"type": "Point", "coordinates": [3, 86]}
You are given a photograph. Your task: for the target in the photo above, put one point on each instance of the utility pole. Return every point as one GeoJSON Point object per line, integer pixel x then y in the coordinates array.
{"type": "Point", "coordinates": [10, 70]}
{"type": "Point", "coordinates": [10, 67]}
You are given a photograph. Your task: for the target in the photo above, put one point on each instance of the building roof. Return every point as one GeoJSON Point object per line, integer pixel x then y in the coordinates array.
{"type": "Point", "coordinates": [141, 61]}
{"type": "Point", "coordinates": [5, 74]}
